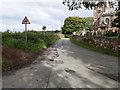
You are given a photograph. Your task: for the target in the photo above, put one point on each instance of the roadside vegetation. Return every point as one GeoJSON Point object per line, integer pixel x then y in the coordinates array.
{"type": "Point", "coordinates": [16, 53]}
{"type": "Point", "coordinates": [35, 41]}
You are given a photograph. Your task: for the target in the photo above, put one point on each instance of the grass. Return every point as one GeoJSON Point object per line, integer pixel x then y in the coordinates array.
{"type": "Point", "coordinates": [94, 48]}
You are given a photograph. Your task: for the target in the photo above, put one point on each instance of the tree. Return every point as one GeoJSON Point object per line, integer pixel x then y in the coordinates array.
{"type": "Point", "coordinates": [72, 24]}
{"type": "Point", "coordinates": [116, 22]}
{"type": "Point", "coordinates": [90, 4]}
{"type": "Point", "coordinates": [88, 23]}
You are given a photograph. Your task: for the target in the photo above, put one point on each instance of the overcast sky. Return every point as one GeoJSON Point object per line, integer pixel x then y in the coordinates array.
{"type": "Point", "coordinates": [40, 12]}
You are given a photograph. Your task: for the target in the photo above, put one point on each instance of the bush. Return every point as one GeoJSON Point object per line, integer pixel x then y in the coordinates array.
{"type": "Point", "coordinates": [6, 35]}
{"type": "Point", "coordinates": [35, 46]}
{"type": "Point", "coordinates": [33, 37]}
{"type": "Point", "coordinates": [20, 44]}
{"type": "Point", "coordinates": [18, 35]}
{"type": "Point", "coordinates": [9, 42]}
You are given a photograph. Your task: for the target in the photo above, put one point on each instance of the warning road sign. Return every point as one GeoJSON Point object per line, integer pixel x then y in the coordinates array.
{"type": "Point", "coordinates": [25, 21]}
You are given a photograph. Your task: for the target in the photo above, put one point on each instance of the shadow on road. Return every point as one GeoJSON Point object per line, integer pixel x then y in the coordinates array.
{"type": "Point", "coordinates": [107, 65]}
{"type": "Point", "coordinates": [37, 75]}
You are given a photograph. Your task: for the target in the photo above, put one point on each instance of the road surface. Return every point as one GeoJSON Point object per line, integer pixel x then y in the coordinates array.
{"type": "Point", "coordinates": [65, 65]}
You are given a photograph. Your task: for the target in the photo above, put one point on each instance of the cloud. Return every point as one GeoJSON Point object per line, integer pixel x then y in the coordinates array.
{"type": "Point", "coordinates": [43, 12]}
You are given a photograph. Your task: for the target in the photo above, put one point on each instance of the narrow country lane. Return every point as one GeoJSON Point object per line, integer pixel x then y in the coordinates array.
{"type": "Point", "coordinates": [66, 65]}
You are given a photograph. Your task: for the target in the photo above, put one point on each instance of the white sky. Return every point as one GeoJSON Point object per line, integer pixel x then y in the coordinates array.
{"type": "Point", "coordinates": [40, 12]}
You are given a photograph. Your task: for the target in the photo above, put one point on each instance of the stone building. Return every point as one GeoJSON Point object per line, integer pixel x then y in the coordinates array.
{"type": "Point", "coordinates": [103, 17]}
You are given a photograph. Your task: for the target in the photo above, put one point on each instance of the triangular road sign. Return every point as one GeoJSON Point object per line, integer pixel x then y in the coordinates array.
{"type": "Point", "coordinates": [25, 21]}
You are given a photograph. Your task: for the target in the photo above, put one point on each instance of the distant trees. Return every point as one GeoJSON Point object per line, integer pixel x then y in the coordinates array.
{"type": "Point", "coordinates": [72, 24]}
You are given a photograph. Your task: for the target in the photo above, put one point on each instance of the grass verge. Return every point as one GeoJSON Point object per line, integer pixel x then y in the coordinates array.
{"type": "Point", "coordinates": [94, 48]}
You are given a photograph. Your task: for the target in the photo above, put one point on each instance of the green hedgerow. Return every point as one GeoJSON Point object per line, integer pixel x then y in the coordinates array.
{"type": "Point", "coordinates": [35, 41]}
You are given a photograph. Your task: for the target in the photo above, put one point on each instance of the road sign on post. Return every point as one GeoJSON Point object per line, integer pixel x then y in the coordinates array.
{"type": "Point", "coordinates": [44, 28]}
{"type": "Point", "coordinates": [25, 21]}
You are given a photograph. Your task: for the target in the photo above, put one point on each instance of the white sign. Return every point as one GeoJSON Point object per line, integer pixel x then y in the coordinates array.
{"type": "Point", "coordinates": [25, 21]}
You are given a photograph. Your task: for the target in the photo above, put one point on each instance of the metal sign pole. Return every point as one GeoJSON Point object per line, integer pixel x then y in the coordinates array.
{"type": "Point", "coordinates": [25, 21]}
{"type": "Point", "coordinates": [26, 33]}
{"type": "Point", "coordinates": [44, 34]}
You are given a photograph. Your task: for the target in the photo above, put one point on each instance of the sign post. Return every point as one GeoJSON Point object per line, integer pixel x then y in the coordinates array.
{"type": "Point", "coordinates": [25, 21]}
{"type": "Point", "coordinates": [25, 32]}
{"type": "Point", "coordinates": [44, 28]}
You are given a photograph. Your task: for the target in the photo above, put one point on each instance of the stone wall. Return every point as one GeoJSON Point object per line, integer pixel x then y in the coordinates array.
{"type": "Point", "coordinates": [106, 43]}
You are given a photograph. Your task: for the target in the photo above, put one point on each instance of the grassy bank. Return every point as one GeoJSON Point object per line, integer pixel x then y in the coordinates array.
{"type": "Point", "coordinates": [94, 48]}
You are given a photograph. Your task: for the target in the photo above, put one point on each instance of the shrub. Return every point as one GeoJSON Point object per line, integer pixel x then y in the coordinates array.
{"type": "Point", "coordinates": [18, 35]}
{"type": "Point", "coordinates": [6, 35]}
{"type": "Point", "coordinates": [33, 37]}
{"type": "Point", "coordinates": [21, 44]}
{"type": "Point", "coordinates": [9, 42]}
